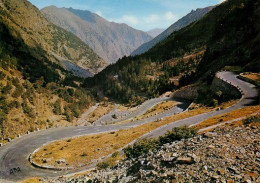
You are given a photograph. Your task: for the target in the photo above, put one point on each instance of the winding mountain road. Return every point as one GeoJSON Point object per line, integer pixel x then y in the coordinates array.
{"type": "Point", "coordinates": [15, 154]}
{"type": "Point", "coordinates": [140, 110]}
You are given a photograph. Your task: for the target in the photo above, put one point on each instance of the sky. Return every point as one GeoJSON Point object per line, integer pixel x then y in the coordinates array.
{"type": "Point", "coordinates": [140, 14]}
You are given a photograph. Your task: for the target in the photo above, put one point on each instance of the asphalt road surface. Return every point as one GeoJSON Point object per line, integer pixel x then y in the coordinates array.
{"type": "Point", "coordinates": [15, 154]}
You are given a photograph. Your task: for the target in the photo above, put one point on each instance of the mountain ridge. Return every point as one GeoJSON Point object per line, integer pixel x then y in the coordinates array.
{"type": "Point", "coordinates": [193, 16]}
{"type": "Point", "coordinates": [27, 21]}
{"type": "Point", "coordinates": [109, 40]}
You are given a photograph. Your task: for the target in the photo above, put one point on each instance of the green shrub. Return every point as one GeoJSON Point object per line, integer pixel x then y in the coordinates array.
{"type": "Point", "coordinates": [68, 114]}
{"type": "Point", "coordinates": [28, 110]}
{"type": "Point", "coordinates": [2, 117]}
{"type": "Point", "coordinates": [177, 133]}
{"type": "Point", "coordinates": [253, 119]}
{"type": "Point", "coordinates": [75, 110]}
{"type": "Point", "coordinates": [103, 165]}
{"type": "Point", "coordinates": [14, 104]}
{"type": "Point", "coordinates": [57, 107]}
{"type": "Point", "coordinates": [2, 75]}
{"type": "Point", "coordinates": [27, 84]}
{"type": "Point", "coordinates": [215, 102]}
{"type": "Point", "coordinates": [15, 81]}
{"type": "Point", "coordinates": [7, 88]}
{"type": "Point", "coordinates": [18, 91]}
{"type": "Point", "coordinates": [141, 147]}
{"type": "Point", "coordinates": [115, 154]}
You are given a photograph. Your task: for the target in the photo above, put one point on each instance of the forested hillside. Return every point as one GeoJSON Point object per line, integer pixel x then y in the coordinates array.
{"type": "Point", "coordinates": [47, 39]}
{"type": "Point", "coordinates": [191, 17]}
{"type": "Point", "coordinates": [35, 91]}
{"type": "Point", "coordinates": [227, 36]}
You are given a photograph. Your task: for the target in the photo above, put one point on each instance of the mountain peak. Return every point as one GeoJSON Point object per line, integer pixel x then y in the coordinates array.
{"type": "Point", "coordinates": [183, 22]}
{"type": "Point", "coordinates": [109, 40]}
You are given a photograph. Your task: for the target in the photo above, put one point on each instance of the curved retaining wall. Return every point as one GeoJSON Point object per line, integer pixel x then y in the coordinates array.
{"type": "Point", "coordinates": [227, 89]}
{"type": "Point", "coordinates": [187, 93]}
{"type": "Point", "coordinates": [218, 84]}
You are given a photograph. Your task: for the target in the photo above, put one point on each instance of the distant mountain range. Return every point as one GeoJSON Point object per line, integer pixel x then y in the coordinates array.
{"type": "Point", "coordinates": [48, 40]}
{"type": "Point", "coordinates": [109, 40]}
{"type": "Point", "coordinates": [155, 32]}
{"type": "Point", "coordinates": [183, 22]}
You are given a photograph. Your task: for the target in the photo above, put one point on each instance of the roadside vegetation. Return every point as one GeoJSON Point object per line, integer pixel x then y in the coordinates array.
{"type": "Point", "coordinates": [82, 150]}
{"type": "Point", "coordinates": [103, 108]}
{"type": "Point", "coordinates": [32, 180]}
{"type": "Point", "coordinates": [159, 108]}
{"type": "Point", "coordinates": [252, 76]}
{"type": "Point", "coordinates": [143, 146]}
{"type": "Point", "coordinates": [252, 120]}
{"type": "Point", "coordinates": [111, 161]}
{"type": "Point", "coordinates": [229, 116]}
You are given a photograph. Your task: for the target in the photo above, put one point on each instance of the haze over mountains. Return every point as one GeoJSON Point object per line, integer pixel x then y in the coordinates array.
{"type": "Point", "coordinates": [183, 22]}
{"type": "Point", "coordinates": [155, 32]}
{"type": "Point", "coordinates": [109, 40]}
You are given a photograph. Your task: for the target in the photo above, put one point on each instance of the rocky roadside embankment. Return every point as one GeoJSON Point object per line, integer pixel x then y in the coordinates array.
{"type": "Point", "coordinates": [228, 155]}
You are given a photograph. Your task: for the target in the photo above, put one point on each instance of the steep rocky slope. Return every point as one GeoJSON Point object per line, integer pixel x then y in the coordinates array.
{"type": "Point", "coordinates": [27, 22]}
{"type": "Point", "coordinates": [109, 40]}
{"type": "Point", "coordinates": [228, 154]}
{"type": "Point", "coordinates": [193, 16]}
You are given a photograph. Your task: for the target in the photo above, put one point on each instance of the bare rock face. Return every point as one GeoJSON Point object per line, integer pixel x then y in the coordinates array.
{"type": "Point", "coordinates": [226, 155]}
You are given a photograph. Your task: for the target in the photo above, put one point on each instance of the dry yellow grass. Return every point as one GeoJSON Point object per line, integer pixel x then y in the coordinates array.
{"type": "Point", "coordinates": [17, 122]}
{"type": "Point", "coordinates": [100, 111]}
{"type": "Point", "coordinates": [125, 108]}
{"type": "Point", "coordinates": [32, 180]}
{"type": "Point", "coordinates": [159, 108]}
{"type": "Point", "coordinates": [111, 161]}
{"type": "Point", "coordinates": [233, 124]}
{"type": "Point", "coordinates": [228, 116]}
{"type": "Point", "coordinates": [253, 76]}
{"type": "Point", "coordinates": [80, 151]}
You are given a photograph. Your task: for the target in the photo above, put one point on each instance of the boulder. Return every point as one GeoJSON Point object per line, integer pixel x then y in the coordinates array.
{"type": "Point", "coordinates": [184, 160]}
{"type": "Point", "coordinates": [209, 135]}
